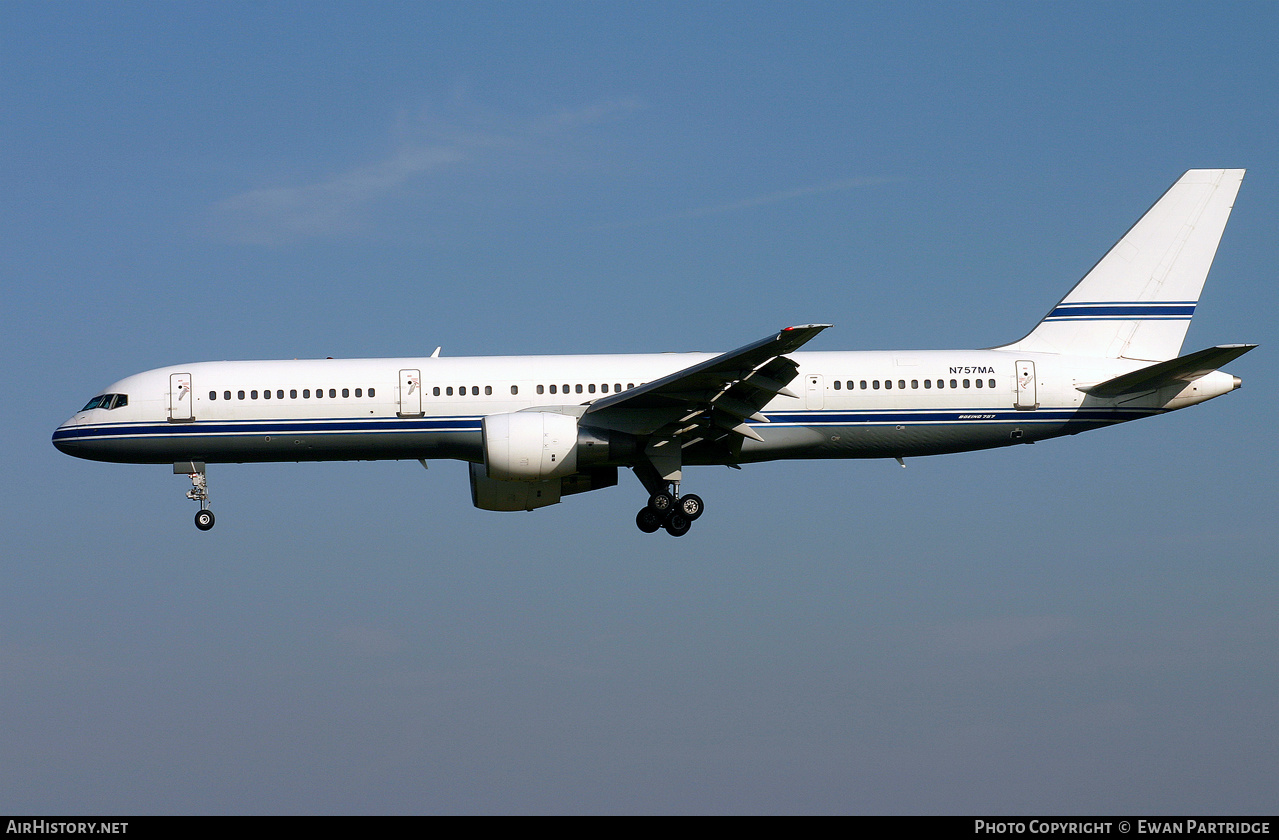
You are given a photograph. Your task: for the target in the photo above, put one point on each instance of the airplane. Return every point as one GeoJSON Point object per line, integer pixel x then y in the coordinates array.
{"type": "Point", "coordinates": [535, 429]}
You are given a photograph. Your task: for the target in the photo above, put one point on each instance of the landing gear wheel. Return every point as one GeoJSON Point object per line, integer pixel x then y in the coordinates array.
{"type": "Point", "coordinates": [662, 502]}
{"type": "Point", "coordinates": [648, 520]}
{"type": "Point", "coordinates": [204, 520]}
{"type": "Point", "coordinates": [677, 524]}
{"type": "Point", "coordinates": [691, 506]}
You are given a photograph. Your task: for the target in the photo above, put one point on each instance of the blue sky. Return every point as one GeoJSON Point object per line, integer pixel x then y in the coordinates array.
{"type": "Point", "coordinates": [1085, 625]}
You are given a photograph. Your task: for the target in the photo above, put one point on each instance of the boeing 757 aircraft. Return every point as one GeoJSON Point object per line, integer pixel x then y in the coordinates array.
{"type": "Point", "coordinates": [535, 429]}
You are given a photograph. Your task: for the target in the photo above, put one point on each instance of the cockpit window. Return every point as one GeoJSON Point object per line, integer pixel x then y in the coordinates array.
{"type": "Point", "coordinates": [107, 401]}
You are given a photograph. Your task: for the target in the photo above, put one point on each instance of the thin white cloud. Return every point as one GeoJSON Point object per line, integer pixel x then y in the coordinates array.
{"type": "Point", "coordinates": [338, 204]}
{"type": "Point", "coordinates": [269, 215]}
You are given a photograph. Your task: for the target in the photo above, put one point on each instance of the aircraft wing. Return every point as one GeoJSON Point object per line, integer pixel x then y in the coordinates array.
{"type": "Point", "coordinates": [711, 400]}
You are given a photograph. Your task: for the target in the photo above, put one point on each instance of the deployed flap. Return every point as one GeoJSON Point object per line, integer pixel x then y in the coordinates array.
{"type": "Point", "coordinates": [719, 393]}
{"type": "Point", "coordinates": [1182, 369]}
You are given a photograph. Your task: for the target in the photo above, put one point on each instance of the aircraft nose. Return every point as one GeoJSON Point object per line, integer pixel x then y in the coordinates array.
{"type": "Point", "coordinates": [64, 438]}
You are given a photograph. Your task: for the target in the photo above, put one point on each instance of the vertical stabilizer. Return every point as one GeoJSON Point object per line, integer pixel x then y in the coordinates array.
{"type": "Point", "coordinates": [1137, 302]}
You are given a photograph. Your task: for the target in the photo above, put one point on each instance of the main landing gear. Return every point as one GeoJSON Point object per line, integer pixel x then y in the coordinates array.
{"type": "Point", "coordinates": [667, 509]}
{"type": "Point", "coordinates": [199, 491]}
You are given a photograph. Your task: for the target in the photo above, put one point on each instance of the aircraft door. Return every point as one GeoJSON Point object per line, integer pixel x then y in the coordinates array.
{"type": "Point", "coordinates": [180, 397]}
{"type": "Point", "coordinates": [815, 390]}
{"type": "Point", "coordinates": [1026, 391]}
{"type": "Point", "coordinates": [410, 393]}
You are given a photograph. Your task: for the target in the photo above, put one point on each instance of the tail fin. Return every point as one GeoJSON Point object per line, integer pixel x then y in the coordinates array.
{"type": "Point", "coordinates": [1137, 302]}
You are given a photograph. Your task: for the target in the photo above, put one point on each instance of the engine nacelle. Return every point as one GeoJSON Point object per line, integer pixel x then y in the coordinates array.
{"type": "Point", "coordinates": [542, 445]}
{"type": "Point", "coordinates": [491, 494]}
{"type": "Point", "coordinates": [530, 446]}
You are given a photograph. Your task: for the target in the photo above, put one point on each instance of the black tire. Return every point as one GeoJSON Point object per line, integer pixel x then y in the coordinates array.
{"type": "Point", "coordinates": [691, 506]}
{"type": "Point", "coordinates": [648, 520]}
{"type": "Point", "coordinates": [662, 502]}
{"type": "Point", "coordinates": [677, 524]}
{"type": "Point", "coordinates": [204, 520]}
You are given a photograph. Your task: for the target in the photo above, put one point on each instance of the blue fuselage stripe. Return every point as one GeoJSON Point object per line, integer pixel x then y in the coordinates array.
{"type": "Point", "coordinates": [395, 425]}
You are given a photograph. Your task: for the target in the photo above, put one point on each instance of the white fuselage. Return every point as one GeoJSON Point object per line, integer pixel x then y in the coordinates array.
{"type": "Point", "coordinates": [846, 404]}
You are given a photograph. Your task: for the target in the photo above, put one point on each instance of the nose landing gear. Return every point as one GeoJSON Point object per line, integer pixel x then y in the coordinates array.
{"type": "Point", "coordinates": [199, 491]}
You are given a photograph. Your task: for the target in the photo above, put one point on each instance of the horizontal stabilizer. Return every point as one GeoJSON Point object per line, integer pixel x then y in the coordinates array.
{"type": "Point", "coordinates": [1181, 369]}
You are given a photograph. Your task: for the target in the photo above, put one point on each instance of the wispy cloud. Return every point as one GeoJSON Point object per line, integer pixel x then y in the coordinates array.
{"type": "Point", "coordinates": [338, 204]}
{"type": "Point", "coordinates": [269, 215]}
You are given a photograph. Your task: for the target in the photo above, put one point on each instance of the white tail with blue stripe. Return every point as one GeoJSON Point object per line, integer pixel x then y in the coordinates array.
{"type": "Point", "coordinates": [1137, 302]}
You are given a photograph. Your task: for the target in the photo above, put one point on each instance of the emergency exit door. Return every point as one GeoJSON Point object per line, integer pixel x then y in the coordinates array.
{"type": "Point", "coordinates": [1027, 398]}
{"type": "Point", "coordinates": [180, 397]}
{"type": "Point", "coordinates": [410, 393]}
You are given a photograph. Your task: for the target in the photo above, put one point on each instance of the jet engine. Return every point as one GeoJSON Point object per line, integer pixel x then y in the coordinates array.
{"type": "Point", "coordinates": [532, 458]}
